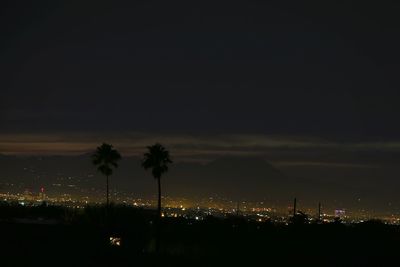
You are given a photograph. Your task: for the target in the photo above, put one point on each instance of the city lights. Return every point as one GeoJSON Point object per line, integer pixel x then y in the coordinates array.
{"type": "Point", "coordinates": [115, 241]}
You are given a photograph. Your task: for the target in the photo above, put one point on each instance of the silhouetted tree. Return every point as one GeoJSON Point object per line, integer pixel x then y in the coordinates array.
{"type": "Point", "coordinates": [337, 220]}
{"type": "Point", "coordinates": [157, 159]}
{"type": "Point", "coordinates": [105, 158]}
{"type": "Point", "coordinates": [299, 218]}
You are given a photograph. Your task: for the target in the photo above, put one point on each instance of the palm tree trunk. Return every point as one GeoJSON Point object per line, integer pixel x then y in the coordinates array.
{"type": "Point", "coordinates": [159, 198]}
{"type": "Point", "coordinates": [107, 206]}
{"type": "Point", "coordinates": [158, 229]}
{"type": "Point", "coordinates": [107, 193]}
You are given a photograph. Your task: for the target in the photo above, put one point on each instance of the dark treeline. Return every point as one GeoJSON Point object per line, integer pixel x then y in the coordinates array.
{"type": "Point", "coordinates": [59, 236]}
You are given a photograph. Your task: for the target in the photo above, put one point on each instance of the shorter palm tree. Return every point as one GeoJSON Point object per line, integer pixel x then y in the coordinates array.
{"type": "Point", "coordinates": [106, 158]}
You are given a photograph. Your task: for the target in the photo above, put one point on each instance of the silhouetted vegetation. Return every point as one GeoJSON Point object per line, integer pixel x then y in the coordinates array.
{"type": "Point", "coordinates": [299, 218]}
{"type": "Point", "coordinates": [157, 159]}
{"type": "Point", "coordinates": [49, 238]}
{"type": "Point", "coordinates": [61, 236]}
{"type": "Point", "coordinates": [106, 158]}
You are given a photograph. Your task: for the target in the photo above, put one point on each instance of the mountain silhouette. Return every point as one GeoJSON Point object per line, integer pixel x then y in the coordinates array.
{"type": "Point", "coordinates": [236, 178]}
{"type": "Point", "coordinates": [231, 177]}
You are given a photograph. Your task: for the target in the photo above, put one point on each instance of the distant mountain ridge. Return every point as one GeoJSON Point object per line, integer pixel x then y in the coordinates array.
{"type": "Point", "coordinates": [236, 178]}
{"type": "Point", "coordinates": [230, 176]}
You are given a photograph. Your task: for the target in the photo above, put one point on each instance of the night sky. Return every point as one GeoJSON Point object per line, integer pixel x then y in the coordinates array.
{"type": "Point", "coordinates": [312, 87]}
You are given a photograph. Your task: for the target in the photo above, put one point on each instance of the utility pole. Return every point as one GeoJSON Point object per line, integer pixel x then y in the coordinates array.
{"type": "Point", "coordinates": [294, 207]}
{"type": "Point", "coordinates": [237, 209]}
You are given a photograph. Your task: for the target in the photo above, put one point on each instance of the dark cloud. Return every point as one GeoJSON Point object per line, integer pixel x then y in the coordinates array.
{"type": "Point", "coordinates": [322, 69]}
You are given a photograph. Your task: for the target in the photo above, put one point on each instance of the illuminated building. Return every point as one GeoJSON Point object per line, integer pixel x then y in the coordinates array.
{"type": "Point", "coordinates": [42, 195]}
{"type": "Point", "coordinates": [340, 213]}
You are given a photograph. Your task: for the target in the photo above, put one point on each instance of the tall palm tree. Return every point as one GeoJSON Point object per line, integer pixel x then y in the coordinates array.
{"type": "Point", "coordinates": [157, 159]}
{"type": "Point", "coordinates": [105, 158]}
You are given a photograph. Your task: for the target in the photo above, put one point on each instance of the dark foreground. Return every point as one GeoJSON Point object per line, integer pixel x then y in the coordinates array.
{"type": "Point", "coordinates": [58, 237]}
